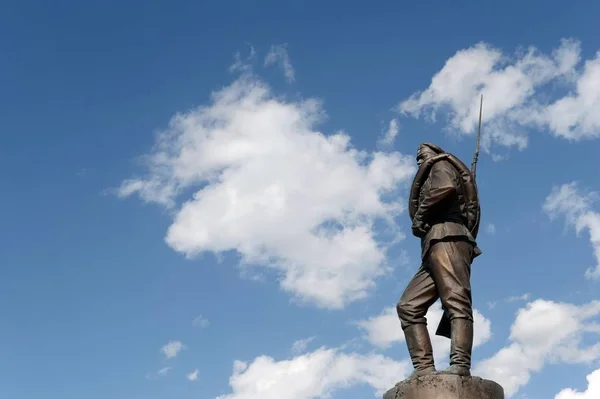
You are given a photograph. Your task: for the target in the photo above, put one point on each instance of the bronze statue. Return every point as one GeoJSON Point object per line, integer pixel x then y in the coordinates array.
{"type": "Point", "coordinates": [445, 212]}
{"type": "Point", "coordinates": [444, 208]}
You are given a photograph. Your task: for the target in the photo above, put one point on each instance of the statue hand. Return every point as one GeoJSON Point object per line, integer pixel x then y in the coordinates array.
{"type": "Point", "coordinates": [419, 229]}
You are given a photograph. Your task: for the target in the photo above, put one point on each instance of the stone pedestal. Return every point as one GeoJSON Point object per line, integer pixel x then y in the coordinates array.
{"type": "Point", "coordinates": [445, 387]}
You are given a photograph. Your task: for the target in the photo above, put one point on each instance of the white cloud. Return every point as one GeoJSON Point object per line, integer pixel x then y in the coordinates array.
{"type": "Point", "coordinates": [201, 322]}
{"type": "Point", "coordinates": [577, 115]}
{"type": "Point", "coordinates": [490, 229]}
{"type": "Point", "coordinates": [390, 134]}
{"type": "Point", "coordinates": [158, 374]}
{"type": "Point", "coordinates": [171, 349]}
{"type": "Point", "coordinates": [313, 375]}
{"type": "Point", "coordinates": [576, 206]}
{"type": "Point", "coordinates": [513, 94]}
{"type": "Point", "coordinates": [243, 65]}
{"type": "Point", "coordinates": [524, 297]}
{"type": "Point", "coordinates": [301, 345]}
{"type": "Point", "coordinates": [543, 332]}
{"type": "Point", "coordinates": [592, 391]}
{"type": "Point", "coordinates": [276, 190]}
{"type": "Point", "coordinates": [278, 55]}
{"type": "Point", "coordinates": [384, 330]}
{"type": "Point", "coordinates": [193, 376]}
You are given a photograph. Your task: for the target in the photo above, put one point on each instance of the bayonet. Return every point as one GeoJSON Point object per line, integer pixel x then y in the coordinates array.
{"type": "Point", "coordinates": [476, 156]}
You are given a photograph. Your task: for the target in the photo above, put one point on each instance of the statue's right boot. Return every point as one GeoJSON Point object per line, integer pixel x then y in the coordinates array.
{"type": "Point", "coordinates": [460, 348]}
{"type": "Point", "coordinates": [420, 349]}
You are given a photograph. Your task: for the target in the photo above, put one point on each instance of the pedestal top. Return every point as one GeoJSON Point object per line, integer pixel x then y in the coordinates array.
{"type": "Point", "coordinates": [440, 386]}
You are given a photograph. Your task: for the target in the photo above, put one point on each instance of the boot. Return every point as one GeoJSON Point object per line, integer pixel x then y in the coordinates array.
{"type": "Point", "coordinates": [460, 348]}
{"type": "Point", "coordinates": [420, 349]}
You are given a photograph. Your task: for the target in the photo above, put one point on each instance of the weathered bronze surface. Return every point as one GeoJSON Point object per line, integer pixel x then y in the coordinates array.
{"type": "Point", "coordinates": [446, 219]}
{"type": "Point", "coordinates": [446, 387]}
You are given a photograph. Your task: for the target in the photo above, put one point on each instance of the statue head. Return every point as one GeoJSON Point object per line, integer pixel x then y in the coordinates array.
{"type": "Point", "coordinates": [426, 151]}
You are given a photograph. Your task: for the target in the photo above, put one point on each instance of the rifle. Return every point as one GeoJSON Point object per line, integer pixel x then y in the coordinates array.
{"type": "Point", "coordinates": [476, 156]}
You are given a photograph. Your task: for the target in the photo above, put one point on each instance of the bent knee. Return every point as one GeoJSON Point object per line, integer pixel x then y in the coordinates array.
{"type": "Point", "coordinates": [409, 313]}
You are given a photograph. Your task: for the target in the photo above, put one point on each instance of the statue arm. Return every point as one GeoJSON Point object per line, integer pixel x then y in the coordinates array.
{"type": "Point", "coordinates": [439, 187]}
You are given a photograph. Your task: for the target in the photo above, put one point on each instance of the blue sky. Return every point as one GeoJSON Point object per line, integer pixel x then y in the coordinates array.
{"type": "Point", "coordinates": [206, 199]}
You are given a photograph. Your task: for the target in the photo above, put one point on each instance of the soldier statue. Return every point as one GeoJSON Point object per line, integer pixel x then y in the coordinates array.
{"type": "Point", "coordinates": [444, 208]}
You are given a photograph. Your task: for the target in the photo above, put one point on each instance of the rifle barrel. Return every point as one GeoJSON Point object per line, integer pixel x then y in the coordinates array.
{"type": "Point", "coordinates": [476, 156]}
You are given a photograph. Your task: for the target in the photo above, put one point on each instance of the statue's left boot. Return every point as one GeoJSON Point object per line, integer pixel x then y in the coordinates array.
{"type": "Point", "coordinates": [461, 345]}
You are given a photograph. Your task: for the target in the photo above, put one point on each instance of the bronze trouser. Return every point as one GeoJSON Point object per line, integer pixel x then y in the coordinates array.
{"type": "Point", "coordinates": [446, 274]}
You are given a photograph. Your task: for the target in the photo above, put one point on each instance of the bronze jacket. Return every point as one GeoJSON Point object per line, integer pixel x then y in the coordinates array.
{"type": "Point", "coordinates": [440, 207]}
